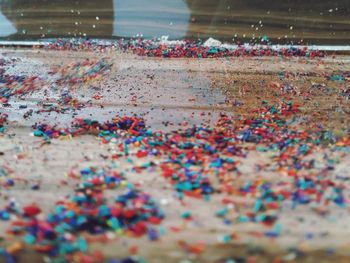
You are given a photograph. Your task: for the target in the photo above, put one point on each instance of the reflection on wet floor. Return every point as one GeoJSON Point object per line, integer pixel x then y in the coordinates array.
{"type": "Point", "coordinates": [156, 90]}
{"type": "Point", "coordinates": [137, 17]}
{"type": "Point", "coordinates": [316, 21]}
{"type": "Point", "coordinates": [6, 27]}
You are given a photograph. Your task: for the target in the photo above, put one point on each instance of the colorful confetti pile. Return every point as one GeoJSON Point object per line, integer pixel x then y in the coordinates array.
{"type": "Point", "coordinates": [81, 73]}
{"type": "Point", "coordinates": [183, 49]}
{"type": "Point", "coordinates": [133, 213]}
{"type": "Point", "coordinates": [195, 157]}
{"type": "Point", "coordinates": [3, 119]}
{"type": "Point", "coordinates": [199, 163]}
{"type": "Point", "coordinates": [11, 85]}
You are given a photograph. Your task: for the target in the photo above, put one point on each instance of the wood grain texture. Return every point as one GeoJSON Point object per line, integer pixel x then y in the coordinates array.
{"type": "Point", "coordinates": [314, 21]}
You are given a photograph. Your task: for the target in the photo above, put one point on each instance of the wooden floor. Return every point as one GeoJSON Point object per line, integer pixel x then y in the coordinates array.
{"type": "Point", "coordinates": [177, 92]}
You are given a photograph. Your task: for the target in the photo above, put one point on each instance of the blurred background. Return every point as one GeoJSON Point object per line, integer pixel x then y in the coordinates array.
{"type": "Point", "coordinates": [287, 21]}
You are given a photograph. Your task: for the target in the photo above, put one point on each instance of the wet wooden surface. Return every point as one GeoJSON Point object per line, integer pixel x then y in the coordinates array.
{"type": "Point", "coordinates": [316, 22]}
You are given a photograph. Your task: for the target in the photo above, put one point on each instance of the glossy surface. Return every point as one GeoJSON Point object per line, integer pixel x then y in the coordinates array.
{"type": "Point", "coordinates": [315, 22]}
